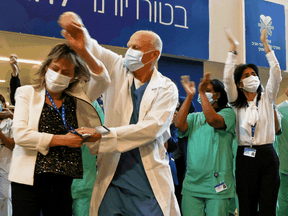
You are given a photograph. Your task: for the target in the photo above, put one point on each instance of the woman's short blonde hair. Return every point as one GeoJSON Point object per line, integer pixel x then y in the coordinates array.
{"type": "Point", "coordinates": [60, 51]}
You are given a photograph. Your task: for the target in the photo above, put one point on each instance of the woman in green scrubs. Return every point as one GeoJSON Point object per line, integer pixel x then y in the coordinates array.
{"type": "Point", "coordinates": [209, 181]}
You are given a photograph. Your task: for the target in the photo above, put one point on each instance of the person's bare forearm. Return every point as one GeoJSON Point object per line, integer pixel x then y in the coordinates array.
{"type": "Point", "coordinates": [181, 117]}
{"type": "Point", "coordinates": [8, 142]}
{"type": "Point", "coordinates": [93, 63]}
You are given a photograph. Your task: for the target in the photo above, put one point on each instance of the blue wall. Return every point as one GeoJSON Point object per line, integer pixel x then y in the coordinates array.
{"type": "Point", "coordinates": [175, 68]}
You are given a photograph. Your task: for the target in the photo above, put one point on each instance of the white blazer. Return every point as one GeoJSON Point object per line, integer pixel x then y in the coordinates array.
{"type": "Point", "coordinates": [149, 134]}
{"type": "Point", "coordinates": [28, 108]}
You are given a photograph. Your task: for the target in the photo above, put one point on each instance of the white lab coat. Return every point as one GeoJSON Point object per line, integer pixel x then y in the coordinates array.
{"type": "Point", "coordinates": [28, 108]}
{"type": "Point", "coordinates": [149, 134]}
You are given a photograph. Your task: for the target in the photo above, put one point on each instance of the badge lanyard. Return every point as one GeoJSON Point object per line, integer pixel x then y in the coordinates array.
{"type": "Point", "coordinates": [67, 126]}
{"type": "Point", "coordinates": [249, 151]}
{"type": "Point", "coordinates": [253, 127]}
{"type": "Point", "coordinates": [221, 186]}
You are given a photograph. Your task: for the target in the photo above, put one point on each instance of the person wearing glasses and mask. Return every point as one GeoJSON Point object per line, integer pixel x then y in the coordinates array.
{"type": "Point", "coordinates": [134, 176]}
{"type": "Point", "coordinates": [208, 184]}
{"type": "Point", "coordinates": [47, 154]}
{"type": "Point", "coordinates": [257, 164]}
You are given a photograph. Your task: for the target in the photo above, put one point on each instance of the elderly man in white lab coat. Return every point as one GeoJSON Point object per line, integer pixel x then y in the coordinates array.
{"type": "Point", "coordinates": [134, 176]}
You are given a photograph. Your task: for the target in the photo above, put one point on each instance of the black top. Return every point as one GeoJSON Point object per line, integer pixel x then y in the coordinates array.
{"type": "Point", "coordinates": [14, 84]}
{"type": "Point", "coordinates": [60, 159]}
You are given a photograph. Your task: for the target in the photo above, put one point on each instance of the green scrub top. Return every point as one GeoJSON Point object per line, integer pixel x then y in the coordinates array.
{"type": "Point", "coordinates": [81, 189]}
{"type": "Point", "coordinates": [281, 142]}
{"type": "Point", "coordinates": [209, 152]}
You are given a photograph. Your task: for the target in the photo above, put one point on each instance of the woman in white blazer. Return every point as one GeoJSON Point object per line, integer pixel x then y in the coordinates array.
{"type": "Point", "coordinates": [47, 154]}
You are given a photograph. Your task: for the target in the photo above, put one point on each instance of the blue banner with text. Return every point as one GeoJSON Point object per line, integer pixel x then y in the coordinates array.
{"type": "Point", "coordinates": [258, 14]}
{"type": "Point", "coordinates": [183, 25]}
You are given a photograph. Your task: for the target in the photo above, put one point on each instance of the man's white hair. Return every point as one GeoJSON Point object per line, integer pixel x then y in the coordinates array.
{"type": "Point", "coordinates": [156, 41]}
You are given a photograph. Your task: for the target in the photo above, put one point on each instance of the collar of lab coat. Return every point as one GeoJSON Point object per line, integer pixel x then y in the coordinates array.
{"type": "Point", "coordinates": [156, 82]}
{"type": "Point", "coordinates": [123, 106]}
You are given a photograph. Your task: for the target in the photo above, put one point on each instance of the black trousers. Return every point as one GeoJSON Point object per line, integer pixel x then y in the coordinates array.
{"type": "Point", "coordinates": [51, 194]}
{"type": "Point", "coordinates": [257, 181]}
{"type": "Point", "coordinates": [181, 169]}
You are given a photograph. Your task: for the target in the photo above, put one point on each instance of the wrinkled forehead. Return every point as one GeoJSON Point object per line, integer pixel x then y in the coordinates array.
{"type": "Point", "coordinates": [142, 40]}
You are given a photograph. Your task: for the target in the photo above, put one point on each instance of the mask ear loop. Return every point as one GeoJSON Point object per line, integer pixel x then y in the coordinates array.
{"type": "Point", "coordinates": [144, 54]}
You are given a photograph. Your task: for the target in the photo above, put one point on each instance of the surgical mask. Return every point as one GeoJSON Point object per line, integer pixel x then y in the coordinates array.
{"type": "Point", "coordinates": [251, 83]}
{"type": "Point", "coordinates": [209, 95]}
{"type": "Point", "coordinates": [133, 59]}
{"type": "Point", "coordinates": [56, 82]}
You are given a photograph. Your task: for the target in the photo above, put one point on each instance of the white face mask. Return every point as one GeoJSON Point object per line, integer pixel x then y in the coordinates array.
{"type": "Point", "coordinates": [56, 82]}
{"type": "Point", "coordinates": [133, 59]}
{"type": "Point", "coordinates": [251, 83]}
{"type": "Point", "coordinates": [209, 95]}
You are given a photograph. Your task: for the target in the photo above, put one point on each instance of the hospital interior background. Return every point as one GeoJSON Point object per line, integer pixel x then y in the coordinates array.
{"type": "Point", "coordinates": [198, 24]}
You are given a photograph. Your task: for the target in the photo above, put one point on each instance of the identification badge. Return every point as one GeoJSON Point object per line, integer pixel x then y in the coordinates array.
{"type": "Point", "coordinates": [250, 152]}
{"type": "Point", "coordinates": [220, 187]}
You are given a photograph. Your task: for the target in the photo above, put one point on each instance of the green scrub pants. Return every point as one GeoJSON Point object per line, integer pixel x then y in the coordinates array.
{"type": "Point", "coordinates": [282, 204]}
{"type": "Point", "coordinates": [233, 205]}
{"type": "Point", "coordinates": [81, 206]}
{"type": "Point", "coordinates": [196, 206]}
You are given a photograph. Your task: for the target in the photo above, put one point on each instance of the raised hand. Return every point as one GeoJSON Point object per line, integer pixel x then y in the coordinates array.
{"type": "Point", "coordinates": [188, 85]}
{"type": "Point", "coordinates": [14, 64]}
{"type": "Point", "coordinates": [232, 40]}
{"type": "Point", "coordinates": [204, 83]}
{"type": "Point", "coordinates": [263, 36]}
{"type": "Point", "coordinates": [73, 31]}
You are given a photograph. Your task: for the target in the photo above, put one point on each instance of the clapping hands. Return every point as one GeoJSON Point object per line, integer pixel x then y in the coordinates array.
{"type": "Point", "coordinates": [204, 83]}
{"type": "Point", "coordinates": [188, 85]}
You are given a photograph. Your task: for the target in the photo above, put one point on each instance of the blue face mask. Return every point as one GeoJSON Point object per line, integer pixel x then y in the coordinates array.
{"type": "Point", "coordinates": [209, 95]}
{"type": "Point", "coordinates": [133, 59]}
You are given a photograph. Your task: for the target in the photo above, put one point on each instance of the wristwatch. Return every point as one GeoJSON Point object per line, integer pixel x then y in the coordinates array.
{"type": "Point", "coordinates": [234, 52]}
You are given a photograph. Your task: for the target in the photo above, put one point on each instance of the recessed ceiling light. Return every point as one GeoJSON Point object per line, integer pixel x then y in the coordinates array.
{"type": "Point", "coordinates": [22, 60]}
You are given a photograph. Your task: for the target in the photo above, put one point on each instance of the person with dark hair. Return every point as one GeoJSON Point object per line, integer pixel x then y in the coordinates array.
{"type": "Point", "coordinates": [47, 154]}
{"type": "Point", "coordinates": [178, 158]}
{"type": "Point", "coordinates": [6, 148]}
{"type": "Point", "coordinates": [209, 183]}
{"type": "Point", "coordinates": [14, 81]}
{"type": "Point", "coordinates": [257, 164]}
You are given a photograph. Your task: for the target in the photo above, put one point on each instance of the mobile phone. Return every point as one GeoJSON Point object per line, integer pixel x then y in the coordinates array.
{"type": "Point", "coordinates": [102, 129]}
